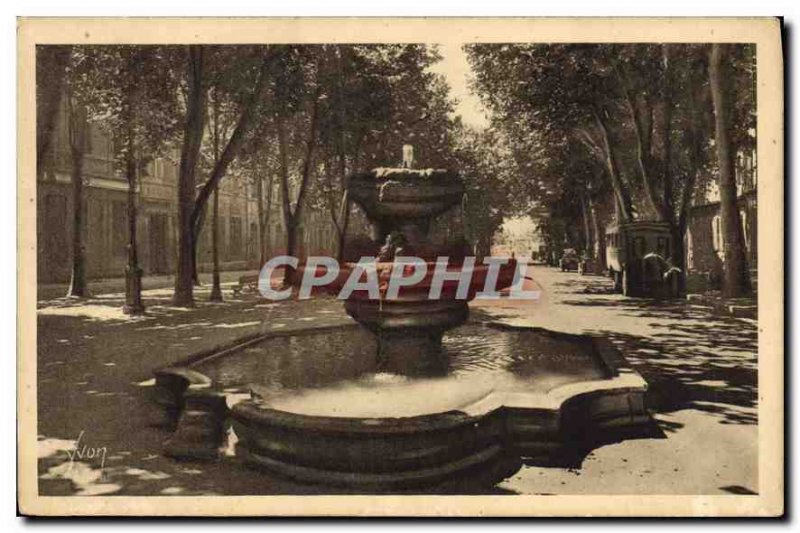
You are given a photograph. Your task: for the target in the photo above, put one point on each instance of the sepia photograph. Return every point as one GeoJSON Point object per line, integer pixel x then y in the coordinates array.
{"type": "Point", "coordinates": [396, 263]}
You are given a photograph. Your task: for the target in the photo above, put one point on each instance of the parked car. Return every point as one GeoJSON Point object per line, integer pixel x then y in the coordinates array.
{"type": "Point", "coordinates": [569, 260]}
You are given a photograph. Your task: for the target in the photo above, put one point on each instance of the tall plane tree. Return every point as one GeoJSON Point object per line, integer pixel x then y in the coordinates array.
{"type": "Point", "coordinates": [240, 76]}
{"type": "Point", "coordinates": [240, 80]}
{"type": "Point", "coordinates": [548, 90]}
{"type": "Point", "coordinates": [77, 132]}
{"type": "Point", "coordinates": [296, 95]}
{"type": "Point", "coordinates": [640, 110]}
{"type": "Point", "coordinates": [64, 76]}
{"type": "Point", "coordinates": [736, 280]}
{"type": "Point", "coordinates": [192, 59]}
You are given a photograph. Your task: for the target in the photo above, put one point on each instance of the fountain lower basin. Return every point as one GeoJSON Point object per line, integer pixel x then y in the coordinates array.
{"type": "Point", "coordinates": [319, 407]}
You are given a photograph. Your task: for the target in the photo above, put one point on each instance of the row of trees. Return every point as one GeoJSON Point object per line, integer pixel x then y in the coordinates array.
{"type": "Point", "coordinates": [588, 131]}
{"type": "Point", "coordinates": [631, 131]}
{"type": "Point", "coordinates": [299, 119]}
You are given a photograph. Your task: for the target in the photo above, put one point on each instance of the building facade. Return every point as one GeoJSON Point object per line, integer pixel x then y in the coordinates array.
{"type": "Point", "coordinates": [106, 217]}
{"type": "Point", "coordinates": [704, 238]}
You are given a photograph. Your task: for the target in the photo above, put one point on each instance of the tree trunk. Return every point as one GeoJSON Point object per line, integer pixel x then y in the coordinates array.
{"type": "Point", "coordinates": [236, 140]}
{"type": "Point", "coordinates": [77, 285]}
{"type": "Point", "coordinates": [130, 158]}
{"type": "Point", "coordinates": [678, 258]}
{"type": "Point", "coordinates": [668, 105]}
{"type": "Point", "coordinates": [680, 226]}
{"type": "Point", "coordinates": [262, 247]}
{"type": "Point", "coordinates": [196, 235]}
{"type": "Point", "coordinates": [341, 228]}
{"type": "Point", "coordinates": [78, 126]}
{"type": "Point", "coordinates": [292, 218]}
{"type": "Point", "coordinates": [288, 222]}
{"type": "Point", "coordinates": [695, 139]}
{"type": "Point", "coordinates": [340, 217]}
{"type": "Point", "coordinates": [588, 250]}
{"type": "Point", "coordinates": [643, 130]}
{"type": "Point", "coordinates": [483, 248]}
{"type": "Point", "coordinates": [192, 139]}
{"type": "Point", "coordinates": [291, 249]}
{"type": "Point", "coordinates": [621, 197]}
{"type": "Point", "coordinates": [133, 273]}
{"type": "Point", "coordinates": [599, 239]}
{"type": "Point", "coordinates": [216, 289]}
{"type": "Point", "coordinates": [197, 232]}
{"type": "Point", "coordinates": [267, 216]}
{"type": "Point", "coordinates": [344, 206]}
{"type": "Point", "coordinates": [736, 280]}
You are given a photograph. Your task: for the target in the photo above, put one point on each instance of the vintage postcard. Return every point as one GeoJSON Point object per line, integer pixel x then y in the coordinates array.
{"type": "Point", "coordinates": [400, 267]}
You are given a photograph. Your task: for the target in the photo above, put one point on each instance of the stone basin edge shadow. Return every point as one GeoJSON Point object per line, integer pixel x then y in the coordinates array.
{"type": "Point", "coordinates": [534, 427]}
{"type": "Point", "coordinates": [178, 382]}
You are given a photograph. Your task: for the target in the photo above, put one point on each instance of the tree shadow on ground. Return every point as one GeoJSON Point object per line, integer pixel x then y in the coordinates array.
{"type": "Point", "coordinates": [579, 446]}
{"type": "Point", "coordinates": [691, 359]}
{"type": "Point", "coordinates": [94, 377]}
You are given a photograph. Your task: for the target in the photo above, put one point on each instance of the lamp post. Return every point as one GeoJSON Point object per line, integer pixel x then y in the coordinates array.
{"type": "Point", "coordinates": [133, 272]}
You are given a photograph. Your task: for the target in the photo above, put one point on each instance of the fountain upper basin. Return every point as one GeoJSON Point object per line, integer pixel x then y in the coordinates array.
{"type": "Point", "coordinates": [389, 194]}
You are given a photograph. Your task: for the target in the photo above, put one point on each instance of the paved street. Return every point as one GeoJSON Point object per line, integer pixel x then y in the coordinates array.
{"type": "Point", "coordinates": [95, 384]}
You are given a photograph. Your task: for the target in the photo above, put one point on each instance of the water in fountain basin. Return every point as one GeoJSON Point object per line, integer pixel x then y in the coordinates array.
{"type": "Point", "coordinates": [337, 372]}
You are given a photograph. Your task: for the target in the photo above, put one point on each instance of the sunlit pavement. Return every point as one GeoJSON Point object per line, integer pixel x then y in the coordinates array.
{"type": "Point", "coordinates": [95, 369]}
{"type": "Point", "coordinates": [49, 291]}
{"type": "Point", "coordinates": [702, 373]}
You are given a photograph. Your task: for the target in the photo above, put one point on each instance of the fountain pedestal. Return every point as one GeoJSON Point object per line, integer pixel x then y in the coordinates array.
{"type": "Point", "coordinates": [401, 203]}
{"type": "Point", "coordinates": [409, 332]}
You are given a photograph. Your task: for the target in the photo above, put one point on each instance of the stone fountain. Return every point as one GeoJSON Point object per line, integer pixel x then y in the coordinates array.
{"type": "Point", "coordinates": [397, 403]}
{"type": "Point", "coordinates": [401, 204]}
